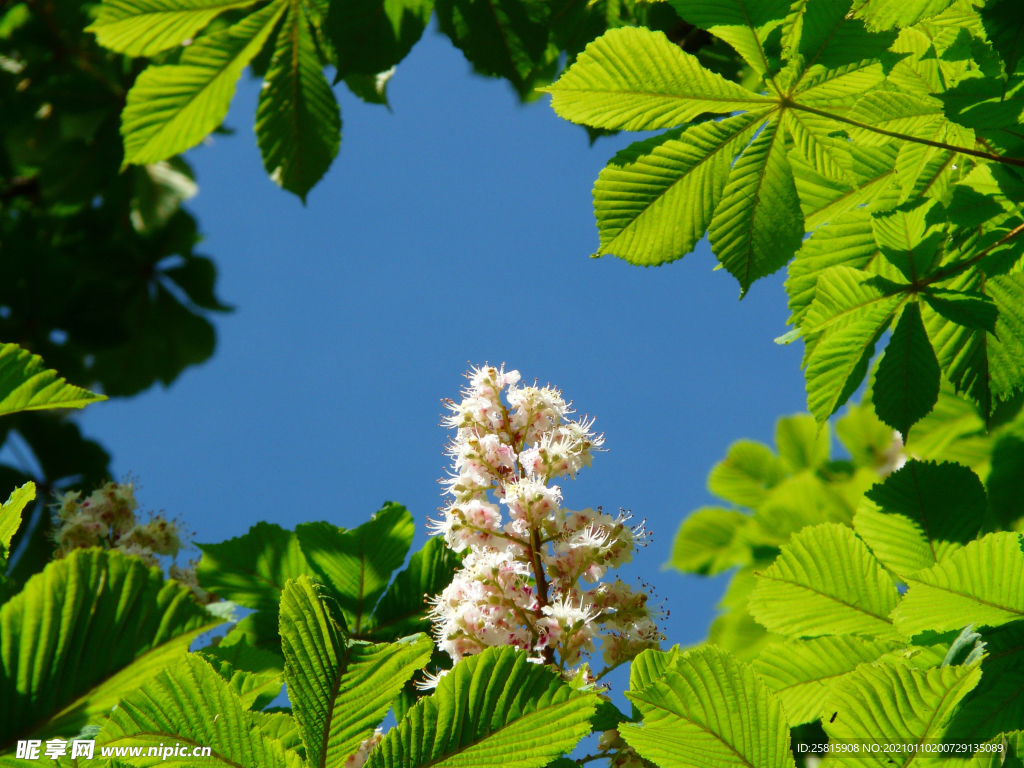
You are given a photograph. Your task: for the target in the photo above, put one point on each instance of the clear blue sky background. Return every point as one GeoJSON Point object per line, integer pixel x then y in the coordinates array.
{"type": "Point", "coordinates": [454, 229]}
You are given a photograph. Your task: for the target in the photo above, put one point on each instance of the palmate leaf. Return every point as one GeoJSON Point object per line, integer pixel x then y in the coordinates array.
{"type": "Point", "coordinates": [340, 691]}
{"type": "Point", "coordinates": [979, 584]}
{"type": "Point", "coordinates": [800, 672]}
{"type": "Point", "coordinates": [921, 514]}
{"type": "Point", "coordinates": [709, 709]}
{"type": "Point", "coordinates": [803, 594]}
{"type": "Point", "coordinates": [357, 564]}
{"type": "Point", "coordinates": [82, 633]}
{"type": "Point", "coordinates": [27, 385]}
{"type": "Point", "coordinates": [908, 376]}
{"type": "Point", "coordinates": [298, 125]}
{"type": "Point", "coordinates": [637, 80]}
{"type": "Point", "coordinates": [655, 199]}
{"type": "Point", "coordinates": [706, 542]}
{"type": "Point", "coordinates": [895, 704]}
{"type": "Point", "coordinates": [173, 107]}
{"type": "Point", "coordinates": [146, 27]}
{"type": "Point", "coordinates": [192, 705]}
{"type": "Point", "coordinates": [495, 707]}
{"type": "Point", "coordinates": [758, 224]}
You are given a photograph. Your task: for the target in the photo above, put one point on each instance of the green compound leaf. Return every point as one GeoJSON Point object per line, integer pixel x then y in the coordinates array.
{"type": "Point", "coordinates": [493, 708]}
{"type": "Point", "coordinates": [193, 705]}
{"type": "Point", "coordinates": [759, 224]}
{"type": "Point", "coordinates": [173, 107]}
{"type": "Point", "coordinates": [800, 672]}
{"type": "Point", "coordinates": [908, 376]}
{"type": "Point", "coordinates": [655, 199]}
{"type": "Point", "coordinates": [340, 691]}
{"type": "Point", "coordinates": [357, 564]}
{"type": "Point", "coordinates": [921, 514]}
{"type": "Point", "coordinates": [706, 542]}
{"type": "Point", "coordinates": [298, 124]}
{"type": "Point", "coordinates": [635, 79]}
{"type": "Point", "coordinates": [895, 704]}
{"type": "Point", "coordinates": [146, 27]}
{"type": "Point", "coordinates": [709, 709]}
{"type": "Point", "coordinates": [978, 585]}
{"type": "Point", "coordinates": [82, 633]}
{"type": "Point", "coordinates": [26, 385]}
{"type": "Point", "coordinates": [803, 594]}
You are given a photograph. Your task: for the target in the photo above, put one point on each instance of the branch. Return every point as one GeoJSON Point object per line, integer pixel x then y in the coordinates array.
{"type": "Point", "coordinates": [955, 269]}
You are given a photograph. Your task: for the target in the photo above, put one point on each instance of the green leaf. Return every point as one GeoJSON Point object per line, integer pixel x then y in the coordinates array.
{"type": "Point", "coordinates": [496, 707]}
{"type": "Point", "coordinates": [506, 38]}
{"type": "Point", "coordinates": [1006, 480]}
{"type": "Point", "coordinates": [1004, 26]}
{"type": "Point", "coordinates": [968, 308]}
{"type": "Point", "coordinates": [910, 236]}
{"type": "Point", "coordinates": [10, 519]}
{"type": "Point", "coordinates": [357, 564]}
{"type": "Point", "coordinates": [745, 24]}
{"type": "Point", "coordinates": [173, 107]}
{"type": "Point", "coordinates": [885, 703]}
{"type": "Point", "coordinates": [886, 14]}
{"type": "Point", "coordinates": [372, 36]}
{"type": "Point", "coordinates": [655, 199]}
{"type": "Point", "coordinates": [340, 691]}
{"type": "Point", "coordinates": [869, 441]}
{"type": "Point", "coordinates": [803, 594]}
{"type": "Point", "coordinates": [842, 325]}
{"type": "Point", "coordinates": [921, 514]}
{"type": "Point", "coordinates": [975, 585]}
{"type": "Point", "coordinates": [758, 225]}
{"type": "Point", "coordinates": [893, 112]}
{"type": "Point", "coordinates": [146, 27]}
{"type": "Point", "coordinates": [826, 39]}
{"type": "Point", "coordinates": [635, 79]}
{"type": "Point", "coordinates": [824, 200]}
{"type": "Point", "coordinates": [80, 634]}
{"type": "Point", "coordinates": [996, 705]}
{"type": "Point", "coordinates": [746, 475]}
{"type": "Point", "coordinates": [298, 124]}
{"type": "Point", "coordinates": [800, 672]}
{"type": "Point", "coordinates": [252, 569]}
{"type": "Point", "coordinates": [650, 665]}
{"type": "Point", "coordinates": [255, 674]}
{"type": "Point", "coordinates": [193, 705]}
{"type": "Point", "coordinates": [706, 542]}
{"type": "Point", "coordinates": [801, 444]}
{"type": "Point", "coordinates": [25, 385]}
{"type": "Point", "coordinates": [907, 379]}
{"type": "Point", "coordinates": [402, 609]}
{"type": "Point", "coordinates": [709, 709]}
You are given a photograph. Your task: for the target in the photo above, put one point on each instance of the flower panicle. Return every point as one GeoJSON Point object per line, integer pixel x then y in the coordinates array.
{"type": "Point", "coordinates": [528, 560]}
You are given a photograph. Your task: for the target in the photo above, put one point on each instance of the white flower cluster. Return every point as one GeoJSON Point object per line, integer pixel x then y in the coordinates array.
{"type": "Point", "coordinates": [520, 583]}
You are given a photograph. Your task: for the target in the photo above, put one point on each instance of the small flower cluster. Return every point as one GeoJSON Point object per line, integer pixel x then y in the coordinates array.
{"type": "Point", "coordinates": [358, 758]}
{"type": "Point", "coordinates": [521, 579]}
{"type": "Point", "coordinates": [107, 518]}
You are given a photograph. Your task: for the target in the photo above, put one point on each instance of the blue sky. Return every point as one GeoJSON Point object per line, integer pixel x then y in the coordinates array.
{"type": "Point", "coordinates": [454, 229]}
